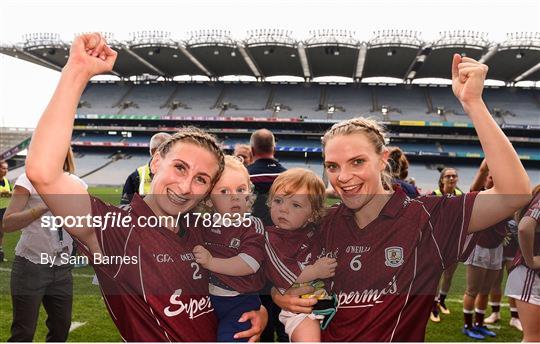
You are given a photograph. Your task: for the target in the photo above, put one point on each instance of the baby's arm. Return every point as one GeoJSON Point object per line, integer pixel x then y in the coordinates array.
{"type": "Point", "coordinates": [323, 268]}
{"type": "Point", "coordinates": [234, 266]}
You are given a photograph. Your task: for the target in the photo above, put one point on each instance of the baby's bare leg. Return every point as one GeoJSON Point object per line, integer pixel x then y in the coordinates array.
{"type": "Point", "coordinates": [309, 330]}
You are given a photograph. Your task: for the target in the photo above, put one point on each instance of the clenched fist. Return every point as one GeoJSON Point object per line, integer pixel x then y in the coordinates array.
{"type": "Point", "coordinates": [90, 54]}
{"type": "Point", "coordinates": [468, 77]}
{"type": "Point", "coordinates": [202, 256]}
{"type": "Point", "coordinates": [326, 267]}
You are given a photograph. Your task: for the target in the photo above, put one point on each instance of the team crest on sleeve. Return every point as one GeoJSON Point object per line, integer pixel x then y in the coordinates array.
{"type": "Point", "coordinates": [394, 256]}
{"type": "Point", "coordinates": [235, 243]}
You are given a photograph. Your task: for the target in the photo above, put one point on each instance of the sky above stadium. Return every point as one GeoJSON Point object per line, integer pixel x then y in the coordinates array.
{"type": "Point", "coordinates": [26, 88]}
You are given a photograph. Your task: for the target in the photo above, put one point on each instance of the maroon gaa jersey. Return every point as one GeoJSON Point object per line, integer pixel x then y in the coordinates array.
{"type": "Point", "coordinates": [534, 212]}
{"type": "Point", "coordinates": [388, 272]}
{"type": "Point", "coordinates": [493, 236]}
{"type": "Point", "coordinates": [157, 292]}
{"type": "Point", "coordinates": [288, 252]}
{"type": "Point", "coordinates": [245, 241]}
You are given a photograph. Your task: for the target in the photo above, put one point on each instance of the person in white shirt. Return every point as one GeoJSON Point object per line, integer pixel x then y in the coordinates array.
{"type": "Point", "coordinates": [37, 276]}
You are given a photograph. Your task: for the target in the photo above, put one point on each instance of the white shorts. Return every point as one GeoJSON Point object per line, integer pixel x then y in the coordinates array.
{"type": "Point", "coordinates": [291, 320]}
{"type": "Point", "coordinates": [523, 284]}
{"type": "Point", "coordinates": [487, 258]}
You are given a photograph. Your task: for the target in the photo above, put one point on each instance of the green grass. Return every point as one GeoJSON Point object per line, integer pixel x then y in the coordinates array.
{"type": "Point", "coordinates": [449, 329]}
{"type": "Point", "coordinates": [88, 306]}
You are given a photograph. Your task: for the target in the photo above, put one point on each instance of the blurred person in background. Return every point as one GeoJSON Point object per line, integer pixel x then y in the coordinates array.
{"type": "Point", "coordinates": [5, 193]}
{"type": "Point", "coordinates": [243, 151]}
{"type": "Point", "coordinates": [523, 283]}
{"type": "Point", "coordinates": [510, 247]}
{"type": "Point", "coordinates": [32, 282]}
{"type": "Point", "coordinates": [139, 181]}
{"type": "Point", "coordinates": [263, 171]}
{"type": "Point", "coordinates": [399, 168]}
{"type": "Point", "coordinates": [448, 180]}
{"type": "Point", "coordinates": [483, 266]}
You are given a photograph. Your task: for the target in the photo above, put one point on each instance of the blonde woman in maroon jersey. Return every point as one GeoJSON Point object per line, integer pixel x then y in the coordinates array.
{"type": "Point", "coordinates": [391, 250]}
{"type": "Point", "coordinates": [151, 284]}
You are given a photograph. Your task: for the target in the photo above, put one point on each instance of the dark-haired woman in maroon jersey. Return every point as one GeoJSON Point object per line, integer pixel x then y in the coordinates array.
{"type": "Point", "coordinates": [153, 288]}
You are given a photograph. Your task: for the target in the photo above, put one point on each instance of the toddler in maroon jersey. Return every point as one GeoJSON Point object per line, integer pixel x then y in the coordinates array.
{"type": "Point", "coordinates": [234, 248]}
{"type": "Point", "coordinates": [294, 250]}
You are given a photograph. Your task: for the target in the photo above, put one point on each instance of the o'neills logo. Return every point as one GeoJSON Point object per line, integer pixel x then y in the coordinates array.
{"type": "Point", "coordinates": [194, 307]}
{"type": "Point", "coordinates": [366, 298]}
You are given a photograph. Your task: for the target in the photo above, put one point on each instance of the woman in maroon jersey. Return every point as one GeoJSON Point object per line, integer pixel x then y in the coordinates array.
{"type": "Point", "coordinates": [483, 266]}
{"type": "Point", "coordinates": [152, 286]}
{"type": "Point", "coordinates": [523, 283]}
{"type": "Point", "coordinates": [391, 249]}
{"type": "Point", "coordinates": [448, 180]}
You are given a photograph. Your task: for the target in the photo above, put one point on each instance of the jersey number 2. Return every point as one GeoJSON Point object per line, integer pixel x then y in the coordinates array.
{"type": "Point", "coordinates": [196, 274]}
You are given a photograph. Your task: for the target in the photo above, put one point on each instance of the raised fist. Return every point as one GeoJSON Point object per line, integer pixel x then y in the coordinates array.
{"type": "Point", "coordinates": [326, 267]}
{"type": "Point", "coordinates": [468, 77]}
{"type": "Point", "coordinates": [91, 55]}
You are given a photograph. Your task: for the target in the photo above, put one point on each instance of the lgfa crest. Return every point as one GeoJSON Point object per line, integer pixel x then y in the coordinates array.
{"type": "Point", "coordinates": [394, 256]}
{"type": "Point", "coordinates": [235, 243]}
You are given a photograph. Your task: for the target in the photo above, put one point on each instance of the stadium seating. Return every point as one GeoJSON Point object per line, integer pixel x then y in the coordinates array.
{"type": "Point", "coordinates": [148, 99]}
{"type": "Point", "coordinates": [99, 138]}
{"type": "Point", "coordinates": [247, 100]}
{"type": "Point", "coordinates": [418, 147]}
{"type": "Point", "coordinates": [87, 162]}
{"type": "Point", "coordinates": [514, 105]}
{"type": "Point", "coordinates": [442, 97]}
{"type": "Point", "coordinates": [116, 172]}
{"type": "Point", "coordinates": [404, 103]}
{"type": "Point", "coordinates": [195, 100]}
{"type": "Point", "coordinates": [350, 101]}
{"type": "Point", "coordinates": [298, 101]}
{"type": "Point", "coordinates": [13, 140]}
{"type": "Point", "coordinates": [309, 101]}
{"type": "Point", "coordinates": [103, 98]}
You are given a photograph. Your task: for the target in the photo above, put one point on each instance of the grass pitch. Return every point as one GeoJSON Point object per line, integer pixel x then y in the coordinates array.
{"type": "Point", "coordinates": [93, 323]}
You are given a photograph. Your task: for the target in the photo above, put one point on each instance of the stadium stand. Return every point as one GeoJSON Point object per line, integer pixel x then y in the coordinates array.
{"type": "Point", "coordinates": [403, 103]}
{"type": "Point", "coordinates": [513, 105]}
{"type": "Point", "coordinates": [103, 98]}
{"type": "Point", "coordinates": [116, 172]}
{"type": "Point", "coordinates": [13, 140]}
{"type": "Point", "coordinates": [147, 99]}
{"type": "Point", "coordinates": [195, 100]}
{"type": "Point", "coordinates": [247, 100]}
{"type": "Point", "coordinates": [307, 101]}
{"type": "Point", "coordinates": [350, 101]}
{"type": "Point", "coordinates": [443, 98]}
{"type": "Point", "coordinates": [298, 101]}
{"type": "Point", "coordinates": [88, 162]}
{"type": "Point", "coordinates": [419, 147]}
{"type": "Point", "coordinates": [462, 148]}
